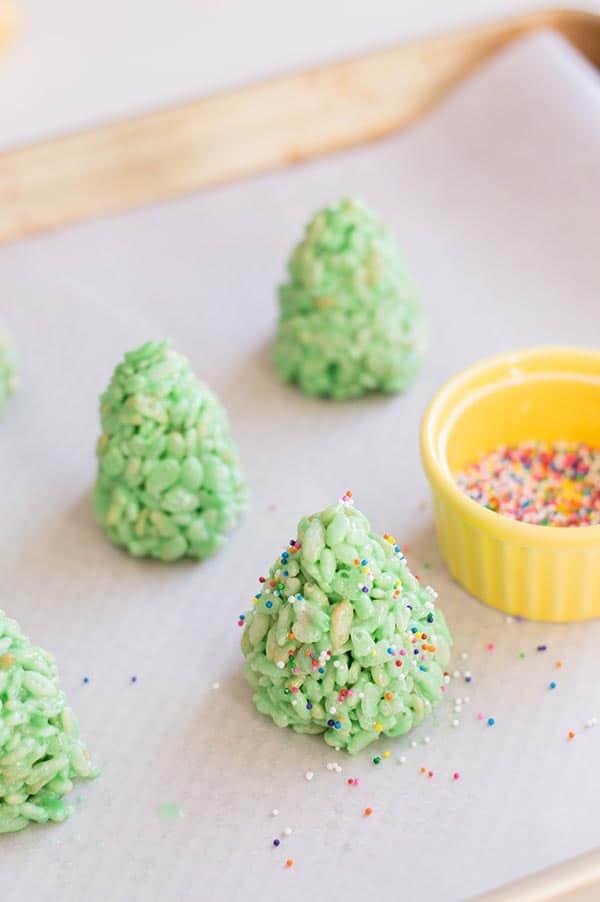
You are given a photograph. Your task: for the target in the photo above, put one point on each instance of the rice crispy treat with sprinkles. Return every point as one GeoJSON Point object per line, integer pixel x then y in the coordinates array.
{"type": "Point", "coordinates": [8, 367]}
{"type": "Point", "coordinates": [169, 482]}
{"type": "Point", "coordinates": [342, 638]}
{"type": "Point", "coordinates": [41, 752]}
{"type": "Point", "coordinates": [350, 321]}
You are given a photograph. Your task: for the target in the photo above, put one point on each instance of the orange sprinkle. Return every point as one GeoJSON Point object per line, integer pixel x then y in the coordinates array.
{"type": "Point", "coordinates": [289, 863]}
{"type": "Point", "coordinates": [571, 734]}
{"type": "Point", "coordinates": [348, 493]}
{"type": "Point", "coordinates": [389, 696]}
{"type": "Point", "coordinates": [368, 812]}
{"type": "Point", "coordinates": [559, 663]}
{"type": "Point", "coordinates": [423, 770]}
{"type": "Point", "coordinates": [291, 636]}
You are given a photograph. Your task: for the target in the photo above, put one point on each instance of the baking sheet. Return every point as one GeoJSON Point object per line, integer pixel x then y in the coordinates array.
{"type": "Point", "coordinates": [494, 198]}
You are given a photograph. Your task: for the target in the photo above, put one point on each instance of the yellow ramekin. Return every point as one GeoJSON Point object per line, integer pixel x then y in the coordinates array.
{"type": "Point", "coordinates": [548, 394]}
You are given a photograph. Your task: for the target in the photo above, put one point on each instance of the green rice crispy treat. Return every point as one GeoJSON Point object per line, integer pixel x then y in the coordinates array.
{"type": "Point", "coordinates": [8, 367]}
{"type": "Point", "coordinates": [350, 321]}
{"type": "Point", "coordinates": [343, 639]}
{"type": "Point", "coordinates": [40, 749]}
{"type": "Point", "coordinates": [169, 482]}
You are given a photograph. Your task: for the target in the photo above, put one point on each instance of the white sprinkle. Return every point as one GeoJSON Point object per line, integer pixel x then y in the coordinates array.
{"type": "Point", "coordinates": [455, 723]}
{"type": "Point", "coordinates": [426, 740]}
{"type": "Point", "coordinates": [467, 673]}
{"type": "Point", "coordinates": [446, 680]}
{"type": "Point", "coordinates": [591, 722]}
{"type": "Point", "coordinates": [338, 769]}
{"type": "Point", "coordinates": [458, 701]}
{"type": "Point", "coordinates": [413, 744]}
{"type": "Point", "coordinates": [464, 656]}
{"type": "Point", "coordinates": [402, 759]}
{"type": "Point", "coordinates": [330, 765]}
{"type": "Point", "coordinates": [275, 812]}
{"type": "Point", "coordinates": [309, 775]}
{"type": "Point", "coordinates": [332, 710]}
{"type": "Point", "coordinates": [361, 694]}
{"type": "Point", "coordinates": [457, 709]}
{"type": "Point", "coordinates": [456, 674]}
{"type": "Point", "coordinates": [216, 685]}
{"type": "Point", "coordinates": [287, 831]}
{"type": "Point", "coordinates": [336, 664]}
{"type": "Point", "coordinates": [508, 619]}
{"type": "Point", "coordinates": [281, 665]}
{"type": "Point", "coordinates": [291, 599]}
{"type": "Point", "coordinates": [466, 699]}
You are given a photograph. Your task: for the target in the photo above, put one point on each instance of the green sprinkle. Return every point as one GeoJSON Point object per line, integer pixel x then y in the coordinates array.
{"type": "Point", "coordinates": [358, 636]}
{"type": "Point", "coordinates": [169, 812]}
{"type": "Point", "coordinates": [522, 654]}
{"type": "Point", "coordinates": [169, 482]}
{"type": "Point", "coordinates": [8, 367]}
{"type": "Point", "coordinates": [377, 760]}
{"type": "Point", "coordinates": [40, 749]}
{"type": "Point", "coordinates": [350, 321]}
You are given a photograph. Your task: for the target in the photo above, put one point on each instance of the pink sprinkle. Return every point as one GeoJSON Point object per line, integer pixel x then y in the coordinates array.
{"type": "Point", "coordinates": [294, 689]}
{"type": "Point", "coordinates": [491, 646]}
{"type": "Point", "coordinates": [456, 776]}
{"type": "Point", "coordinates": [480, 716]}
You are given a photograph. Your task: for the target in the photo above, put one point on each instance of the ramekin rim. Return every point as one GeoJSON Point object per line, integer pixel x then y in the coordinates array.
{"type": "Point", "coordinates": [526, 534]}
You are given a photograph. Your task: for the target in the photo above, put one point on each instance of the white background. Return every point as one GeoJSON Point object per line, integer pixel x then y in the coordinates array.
{"type": "Point", "coordinates": [494, 198]}
{"type": "Point", "coordinates": [79, 62]}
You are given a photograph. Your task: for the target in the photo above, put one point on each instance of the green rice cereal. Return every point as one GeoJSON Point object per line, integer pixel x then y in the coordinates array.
{"type": "Point", "coordinates": [40, 749]}
{"type": "Point", "coordinates": [342, 638]}
{"type": "Point", "coordinates": [8, 367]}
{"type": "Point", "coordinates": [350, 321]}
{"type": "Point", "coordinates": [169, 482]}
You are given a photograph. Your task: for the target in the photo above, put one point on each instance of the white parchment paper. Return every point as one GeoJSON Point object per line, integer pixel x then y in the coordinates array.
{"type": "Point", "coordinates": [495, 198]}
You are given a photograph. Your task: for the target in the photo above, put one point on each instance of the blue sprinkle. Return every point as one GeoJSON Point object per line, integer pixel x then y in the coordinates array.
{"type": "Point", "coordinates": [242, 617]}
{"type": "Point", "coordinates": [86, 679]}
{"type": "Point", "coordinates": [413, 629]}
{"type": "Point", "coordinates": [259, 595]}
{"type": "Point", "coordinates": [299, 597]}
{"type": "Point", "coordinates": [364, 562]}
{"type": "Point", "coordinates": [321, 670]}
{"type": "Point", "coordinates": [268, 604]}
{"type": "Point", "coordinates": [365, 589]}
{"type": "Point", "coordinates": [331, 723]}
{"type": "Point", "coordinates": [468, 679]}
{"type": "Point", "coordinates": [542, 647]}
{"type": "Point", "coordinates": [308, 706]}
{"type": "Point", "coordinates": [491, 722]}
{"type": "Point", "coordinates": [553, 685]}
{"type": "Point", "coordinates": [337, 725]}
{"type": "Point", "coordinates": [430, 618]}
{"type": "Point", "coordinates": [134, 679]}
{"type": "Point", "coordinates": [276, 842]}
{"type": "Point", "coordinates": [390, 651]}
{"type": "Point", "coordinates": [422, 667]}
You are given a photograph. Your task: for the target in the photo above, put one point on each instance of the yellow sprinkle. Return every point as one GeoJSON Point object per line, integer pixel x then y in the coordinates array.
{"type": "Point", "coordinates": [378, 727]}
{"type": "Point", "coordinates": [386, 754]}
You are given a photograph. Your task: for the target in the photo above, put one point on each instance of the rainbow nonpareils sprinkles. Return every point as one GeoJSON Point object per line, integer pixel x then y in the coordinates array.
{"type": "Point", "coordinates": [546, 484]}
{"type": "Point", "coordinates": [343, 639]}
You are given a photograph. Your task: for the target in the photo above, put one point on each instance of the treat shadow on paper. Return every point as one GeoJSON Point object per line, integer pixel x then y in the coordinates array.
{"type": "Point", "coordinates": [70, 548]}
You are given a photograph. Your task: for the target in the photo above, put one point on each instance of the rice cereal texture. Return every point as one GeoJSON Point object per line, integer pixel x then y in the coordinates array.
{"type": "Point", "coordinates": [40, 749]}
{"type": "Point", "coordinates": [8, 367]}
{"type": "Point", "coordinates": [169, 482]}
{"type": "Point", "coordinates": [343, 639]}
{"type": "Point", "coordinates": [350, 321]}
